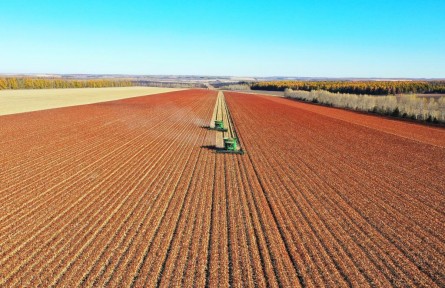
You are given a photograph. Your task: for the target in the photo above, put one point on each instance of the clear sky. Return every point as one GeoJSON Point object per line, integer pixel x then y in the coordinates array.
{"type": "Point", "coordinates": [306, 38]}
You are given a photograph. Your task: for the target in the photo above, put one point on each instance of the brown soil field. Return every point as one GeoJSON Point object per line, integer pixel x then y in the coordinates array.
{"type": "Point", "coordinates": [128, 194]}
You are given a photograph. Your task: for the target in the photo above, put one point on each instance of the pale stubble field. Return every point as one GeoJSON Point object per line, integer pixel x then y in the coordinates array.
{"type": "Point", "coordinates": [19, 101]}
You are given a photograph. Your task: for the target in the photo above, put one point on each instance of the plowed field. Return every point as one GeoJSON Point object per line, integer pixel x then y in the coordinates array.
{"type": "Point", "coordinates": [128, 193]}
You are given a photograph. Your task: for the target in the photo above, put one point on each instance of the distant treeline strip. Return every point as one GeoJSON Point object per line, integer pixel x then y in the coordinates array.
{"type": "Point", "coordinates": [356, 87]}
{"type": "Point", "coordinates": [169, 84]}
{"type": "Point", "coordinates": [49, 83]}
{"type": "Point", "coordinates": [231, 86]}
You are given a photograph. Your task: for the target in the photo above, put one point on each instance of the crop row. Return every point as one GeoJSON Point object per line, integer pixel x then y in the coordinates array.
{"type": "Point", "coordinates": [87, 209]}
{"type": "Point", "coordinates": [344, 196]}
{"type": "Point", "coordinates": [127, 193]}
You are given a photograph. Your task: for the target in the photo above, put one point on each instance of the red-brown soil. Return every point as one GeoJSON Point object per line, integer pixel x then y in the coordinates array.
{"type": "Point", "coordinates": [126, 193]}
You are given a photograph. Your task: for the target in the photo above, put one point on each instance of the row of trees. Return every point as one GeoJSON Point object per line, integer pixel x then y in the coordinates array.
{"type": "Point", "coordinates": [234, 87]}
{"type": "Point", "coordinates": [356, 87]}
{"type": "Point", "coordinates": [169, 84]}
{"type": "Point", "coordinates": [431, 109]}
{"type": "Point", "coordinates": [49, 83]}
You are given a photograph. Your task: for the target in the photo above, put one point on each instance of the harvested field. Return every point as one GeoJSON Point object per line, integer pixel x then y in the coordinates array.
{"type": "Point", "coordinates": [19, 101]}
{"type": "Point", "coordinates": [358, 200]}
{"type": "Point", "coordinates": [125, 193]}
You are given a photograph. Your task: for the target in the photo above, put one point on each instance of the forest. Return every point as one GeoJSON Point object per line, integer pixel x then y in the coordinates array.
{"type": "Point", "coordinates": [49, 83]}
{"type": "Point", "coordinates": [356, 87]}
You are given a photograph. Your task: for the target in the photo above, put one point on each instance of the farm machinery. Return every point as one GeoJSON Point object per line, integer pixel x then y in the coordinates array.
{"type": "Point", "coordinates": [230, 146]}
{"type": "Point", "coordinates": [227, 140]}
{"type": "Point", "coordinates": [218, 126]}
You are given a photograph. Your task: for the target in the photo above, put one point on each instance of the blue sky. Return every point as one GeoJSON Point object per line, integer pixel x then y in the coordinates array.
{"type": "Point", "coordinates": [341, 38]}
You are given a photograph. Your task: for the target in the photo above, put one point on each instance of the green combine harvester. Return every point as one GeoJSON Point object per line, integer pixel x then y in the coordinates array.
{"type": "Point", "coordinates": [219, 126]}
{"type": "Point", "coordinates": [231, 146]}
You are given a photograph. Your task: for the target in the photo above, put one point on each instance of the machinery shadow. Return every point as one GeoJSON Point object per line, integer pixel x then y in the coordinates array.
{"type": "Point", "coordinates": [222, 150]}
{"type": "Point", "coordinates": [212, 147]}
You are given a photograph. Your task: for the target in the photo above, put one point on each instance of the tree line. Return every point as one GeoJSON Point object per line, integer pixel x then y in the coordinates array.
{"type": "Point", "coordinates": [356, 87]}
{"type": "Point", "coordinates": [429, 109]}
{"type": "Point", "coordinates": [149, 83]}
{"type": "Point", "coordinates": [50, 83]}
